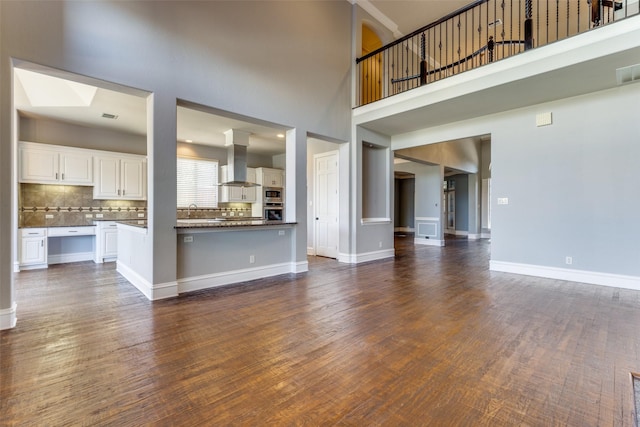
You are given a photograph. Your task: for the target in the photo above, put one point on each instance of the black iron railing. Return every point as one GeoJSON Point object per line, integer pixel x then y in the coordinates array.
{"type": "Point", "coordinates": [480, 33]}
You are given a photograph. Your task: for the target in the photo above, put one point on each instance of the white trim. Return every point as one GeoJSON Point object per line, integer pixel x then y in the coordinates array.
{"type": "Point", "coordinates": [8, 317]}
{"type": "Point", "coordinates": [474, 236]}
{"type": "Point", "coordinates": [428, 242]}
{"type": "Point", "coordinates": [72, 257]}
{"type": "Point", "coordinates": [590, 277]}
{"type": "Point", "coordinates": [485, 235]}
{"type": "Point", "coordinates": [311, 251]}
{"type": "Point", "coordinates": [379, 16]}
{"type": "Point", "coordinates": [151, 291]}
{"type": "Point", "coordinates": [16, 267]}
{"type": "Point", "coordinates": [299, 267]}
{"type": "Point", "coordinates": [206, 281]}
{"type": "Point", "coordinates": [32, 266]}
{"type": "Point", "coordinates": [427, 218]}
{"type": "Point", "coordinates": [375, 221]}
{"type": "Point", "coordinates": [366, 257]}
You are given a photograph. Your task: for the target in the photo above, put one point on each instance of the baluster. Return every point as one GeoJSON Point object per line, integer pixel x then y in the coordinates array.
{"type": "Point", "coordinates": [528, 24]}
{"type": "Point", "coordinates": [568, 18]}
{"type": "Point", "coordinates": [490, 46]}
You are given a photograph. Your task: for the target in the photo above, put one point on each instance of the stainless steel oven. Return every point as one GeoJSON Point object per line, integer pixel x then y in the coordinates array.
{"type": "Point", "coordinates": [272, 195]}
{"type": "Point", "coordinates": [273, 212]}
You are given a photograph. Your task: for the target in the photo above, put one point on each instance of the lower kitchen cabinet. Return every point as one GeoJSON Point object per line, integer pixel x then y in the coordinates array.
{"type": "Point", "coordinates": [106, 241]}
{"type": "Point", "coordinates": [33, 248]}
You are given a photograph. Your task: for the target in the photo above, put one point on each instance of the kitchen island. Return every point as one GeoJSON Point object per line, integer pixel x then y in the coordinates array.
{"type": "Point", "coordinates": [222, 252]}
{"type": "Point", "coordinates": [212, 252]}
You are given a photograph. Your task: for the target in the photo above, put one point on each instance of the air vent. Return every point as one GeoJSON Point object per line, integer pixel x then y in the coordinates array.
{"type": "Point", "coordinates": [109, 116]}
{"type": "Point", "coordinates": [628, 74]}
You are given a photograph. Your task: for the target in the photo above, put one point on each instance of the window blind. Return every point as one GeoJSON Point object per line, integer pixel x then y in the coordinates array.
{"type": "Point", "coordinates": [197, 182]}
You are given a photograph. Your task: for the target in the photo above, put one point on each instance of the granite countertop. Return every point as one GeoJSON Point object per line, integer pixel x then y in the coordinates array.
{"type": "Point", "coordinates": [224, 223]}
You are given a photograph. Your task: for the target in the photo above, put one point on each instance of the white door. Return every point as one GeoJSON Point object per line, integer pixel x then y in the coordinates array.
{"type": "Point", "coordinates": [326, 204]}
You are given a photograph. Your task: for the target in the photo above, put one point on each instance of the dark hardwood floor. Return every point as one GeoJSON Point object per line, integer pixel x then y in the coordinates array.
{"type": "Point", "coordinates": [430, 338]}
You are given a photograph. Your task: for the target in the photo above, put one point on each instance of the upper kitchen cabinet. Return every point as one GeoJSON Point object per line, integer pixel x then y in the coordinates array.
{"type": "Point", "coordinates": [268, 177]}
{"type": "Point", "coordinates": [52, 164]}
{"type": "Point", "coordinates": [237, 194]}
{"type": "Point", "coordinates": [120, 177]}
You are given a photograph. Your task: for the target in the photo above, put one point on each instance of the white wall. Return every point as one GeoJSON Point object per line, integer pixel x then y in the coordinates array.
{"type": "Point", "coordinates": [282, 62]}
{"type": "Point", "coordinates": [571, 186]}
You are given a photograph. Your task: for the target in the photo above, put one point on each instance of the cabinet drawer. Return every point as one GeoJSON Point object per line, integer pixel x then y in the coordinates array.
{"type": "Point", "coordinates": [72, 231]}
{"type": "Point", "coordinates": [33, 232]}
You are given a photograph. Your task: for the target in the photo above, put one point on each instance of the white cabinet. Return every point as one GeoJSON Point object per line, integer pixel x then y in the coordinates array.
{"type": "Point", "coordinates": [33, 248]}
{"type": "Point", "coordinates": [121, 177]}
{"type": "Point", "coordinates": [106, 241]}
{"type": "Point", "coordinates": [238, 194]}
{"type": "Point", "coordinates": [43, 164]}
{"type": "Point", "coordinates": [268, 177]}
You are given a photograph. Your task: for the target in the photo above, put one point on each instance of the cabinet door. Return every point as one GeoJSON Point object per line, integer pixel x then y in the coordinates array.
{"type": "Point", "coordinates": [273, 178]}
{"type": "Point", "coordinates": [133, 182]}
{"type": "Point", "coordinates": [33, 250]}
{"type": "Point", "coordinates": [76, 168]}
{"type": "Point", "coordinates": [110, 243]}
{"type": "Point", "coordinates": [106, 184]}
{"type": "Point", "coordinates": [249, 193]}
{"type": "Point", "coordinates": [38, 165]}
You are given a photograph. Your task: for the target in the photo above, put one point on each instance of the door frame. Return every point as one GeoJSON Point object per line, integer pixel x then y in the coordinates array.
{"type": "Point", "coordinates": [335, 152]}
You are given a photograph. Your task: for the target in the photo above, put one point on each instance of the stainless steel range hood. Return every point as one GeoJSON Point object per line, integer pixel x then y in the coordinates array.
{"type": "Point", "coordinates": [237, 142]}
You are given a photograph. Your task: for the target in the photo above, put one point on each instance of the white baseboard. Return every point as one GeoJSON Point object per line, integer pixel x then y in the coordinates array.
{"type": "Point", "coordinates": [311, 251]}
{"type": "Point", "coordinates": [8, 317]}
{"type": "Point", "coordinates": [32, 267]}
{"type": "Point", "coordinates": [151, 291]}
{"type": "Point", "coordinates": [485, 235]}
{"type": "Point", "coordinates": [206, 281]}
{"type": "Point", "coordinates": [428, 242]}
{"type": "Point", "coordinates": [16, 267]}
{"type": "Point", "coordinates": [590, 277]}
{"type": "Point", "coordinates": [74, 257]}
{"type": "Point", "coordinates": [474, 236]}
{"type": "Point", "coordinates": [366, 257]}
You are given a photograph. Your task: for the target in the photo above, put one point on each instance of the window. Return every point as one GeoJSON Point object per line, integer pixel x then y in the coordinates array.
{"type": "Point", "coordinates": [197, 182]}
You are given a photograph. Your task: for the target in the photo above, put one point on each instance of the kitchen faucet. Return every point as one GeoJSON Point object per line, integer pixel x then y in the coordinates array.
{"type": "Point", "coordinates": [189, 209]}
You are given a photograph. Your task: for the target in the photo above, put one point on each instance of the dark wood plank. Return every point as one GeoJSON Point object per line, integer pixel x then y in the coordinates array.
{"type": "Point", "coordinates": [428, 338]}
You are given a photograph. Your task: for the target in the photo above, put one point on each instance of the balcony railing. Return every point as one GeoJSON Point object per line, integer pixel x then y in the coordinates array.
{"type": "Point", "coordinates": [480, 33]}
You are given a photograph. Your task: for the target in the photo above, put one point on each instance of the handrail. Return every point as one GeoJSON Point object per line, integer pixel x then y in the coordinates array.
{"type": "Point", "coordinates": [453, 44]}
{"type": "Point", "coordinates": [455, 64]}
{"type": "Point", "coordinates": [423, 29]}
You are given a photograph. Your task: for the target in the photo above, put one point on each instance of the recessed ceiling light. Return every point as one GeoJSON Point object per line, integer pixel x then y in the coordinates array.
{"type": "Point", "coordinates": [188, 140]}
{"type": "Point", "coordinates": [109, 116]}
{"type": "Point", "coordinates": [280, 135]}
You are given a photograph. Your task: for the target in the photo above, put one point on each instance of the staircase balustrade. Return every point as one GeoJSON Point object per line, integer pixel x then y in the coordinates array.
{"type": "Point", "coordinates": [482, 32]}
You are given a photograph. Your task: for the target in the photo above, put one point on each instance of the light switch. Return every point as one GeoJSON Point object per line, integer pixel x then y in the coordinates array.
{"type": "Point", "coordinates": [503, 200]}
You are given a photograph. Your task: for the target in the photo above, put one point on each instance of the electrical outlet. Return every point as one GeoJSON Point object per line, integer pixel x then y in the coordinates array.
{"type": "Point", "coordinates": [252, 259]}
{"type": "Point", "coordinates": [140, 215]}
{"type": "Point", "coordinates": [503, 200]}
{"type": "Point", "coordinates": [280, 232]}
{"type": "Point", "coordinates": [568, 260]}
{"type": "Point", "coordinates": [232, 213]}
{"type": "Point", "coordinates": [48, 216]}
{"type": "Point", "coordinates": [188, 239]}
{"type": "Point", "coordinates": [99, 215]}
{"type": "Point", "coordinates": [88, 216]}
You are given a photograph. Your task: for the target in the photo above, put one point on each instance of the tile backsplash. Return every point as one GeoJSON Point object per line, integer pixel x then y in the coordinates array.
{"type": "Point", "coordinates": [70, 205]}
